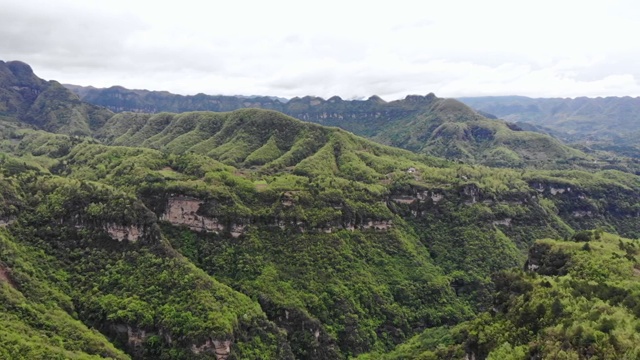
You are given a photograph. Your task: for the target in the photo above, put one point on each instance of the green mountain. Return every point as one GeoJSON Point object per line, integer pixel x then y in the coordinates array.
{"type": "Point", "coordinates": [44, 104]}
{"type": "Point", "coordinates": [577, 300]}
{"type": "Point", "coordinates": [450, 129]}
{"type": "Point", "coordinates": [610, 123]}
{"type": "Point", "coordinates": [424, 124]}
{"type": "Point", "coordinates": [253, 235]}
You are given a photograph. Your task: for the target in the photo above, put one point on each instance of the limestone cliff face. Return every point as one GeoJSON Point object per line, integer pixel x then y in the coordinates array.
{"type": "Point", "coordinates": [221, 349]}
{"type": "Point", "coordinates": [6, 222]}
{"type": "Point", "coordinates": [183, 211]}
{"type": "Point", "coordinates": [119, 232]}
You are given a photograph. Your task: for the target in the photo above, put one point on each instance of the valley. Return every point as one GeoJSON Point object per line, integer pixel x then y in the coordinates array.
{"type": "Point", "coordinates": [275, 230]}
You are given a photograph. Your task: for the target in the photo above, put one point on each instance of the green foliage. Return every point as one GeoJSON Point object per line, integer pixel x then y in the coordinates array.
{"type": "Point", "coordinates": [113, 284]}
{"type": "Point", "coordinates": [590, 311]}
{"type": "Point", "coordinates": [37, 314]}
{"type": "Point", "coordinates": [296, 240]}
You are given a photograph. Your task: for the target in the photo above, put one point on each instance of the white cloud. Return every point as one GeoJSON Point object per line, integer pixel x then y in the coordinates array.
{"type": "Point", "coordinates": [348, 48]}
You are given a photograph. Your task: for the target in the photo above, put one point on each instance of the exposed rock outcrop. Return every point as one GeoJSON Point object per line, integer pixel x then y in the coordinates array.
{"type": "Point", "coordinates": [581, 213]}
{"type": "Point", "coordinates": [183, 211]}
{"type": "Point", "coordinates": [220, 348]}
{"type": "Point", "coordinates": [505, 222]}
{"type": "Point", "coordinates": [552, 189]}
{"type": "Point", "coordinates": [403, 199]}
{"type": "Point", "coordinates": [6, 222]}
{"type": "Point", "coordinates": [377, 225]}
{"type": "Point", "coordinates": [119, 232]}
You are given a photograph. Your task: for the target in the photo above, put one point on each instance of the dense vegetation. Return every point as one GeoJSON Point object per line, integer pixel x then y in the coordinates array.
{"type": "Point", "coordinates": [579, 299]}
{"type": "Point", "coordinates": [171, 236]}
{"type": "Point", "coordinates": [424, 124]}
{"type": "Point", "coordinates": [45, 104]}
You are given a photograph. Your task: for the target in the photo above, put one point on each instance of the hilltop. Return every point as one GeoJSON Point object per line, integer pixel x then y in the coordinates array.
{"type": "Point", "coordinates": [44, 104]}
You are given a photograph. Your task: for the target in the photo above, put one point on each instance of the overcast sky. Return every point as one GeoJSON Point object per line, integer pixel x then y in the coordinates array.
{"type": "Point", "coordinates": [348, 48]}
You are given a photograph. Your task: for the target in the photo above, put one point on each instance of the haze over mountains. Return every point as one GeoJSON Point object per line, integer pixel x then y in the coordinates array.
{"type": "Point", "coordinates": [611, 123]}
{"type": "Point", "coordinates": [249, 234]}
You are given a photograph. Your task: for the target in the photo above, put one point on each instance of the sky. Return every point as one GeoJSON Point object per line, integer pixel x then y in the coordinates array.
{"type": "Point", "coordinates": [350, 48]}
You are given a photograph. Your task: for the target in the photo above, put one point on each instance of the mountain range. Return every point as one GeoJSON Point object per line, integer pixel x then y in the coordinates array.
{"type": "Point", "coordinates": [250, 234]}
{"type": "Point", "coordinates": [423, 124]}
{"type": "Point", "coordinates": [610, 123]}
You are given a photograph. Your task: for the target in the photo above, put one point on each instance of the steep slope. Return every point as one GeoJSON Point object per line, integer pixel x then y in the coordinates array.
{"type": "Point", "coordinates": [351, 239]}
{"type": "Point", "coordinates": [35, 309]}
{"type": "Point", "coordinates": [427, 124]}
{"type": "Point", "coordinates": [45, 104]}
{"type": "Point", "coordinates": [578, 299]}
{"type": "Point", "coordinates": [109, 266]}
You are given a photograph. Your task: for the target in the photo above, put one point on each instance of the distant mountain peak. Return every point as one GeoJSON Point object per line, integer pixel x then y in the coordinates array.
{"type": "Point", "coordinates": [20, 68]}
{"type": "Point", "coordinates": [376, 99]}
{"type": "Point", "coordinates": [420, 98]}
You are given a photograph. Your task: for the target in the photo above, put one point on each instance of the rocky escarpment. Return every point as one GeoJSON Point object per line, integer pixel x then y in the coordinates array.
{"type": "Point", "coordinates": [591, 207]}
{"type": "Point", "coordinates": [221, 349]}
{"type": "Point", "coordinates": [119, 232]}
{"type": "Point", "coordinates": [7, 222]}
{"type": "Point", "coordinates": [184, 211]}
{"type": "Point", "coordinates": [357, 116]}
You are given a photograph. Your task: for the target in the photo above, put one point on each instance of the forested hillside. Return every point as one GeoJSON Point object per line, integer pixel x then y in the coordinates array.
{"type": "Point", "coordinates": [577, 299]}
{"type": "Point", "coordinates": [253, 235]}
{"type": "Point", "coordinates": [424, 124]}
